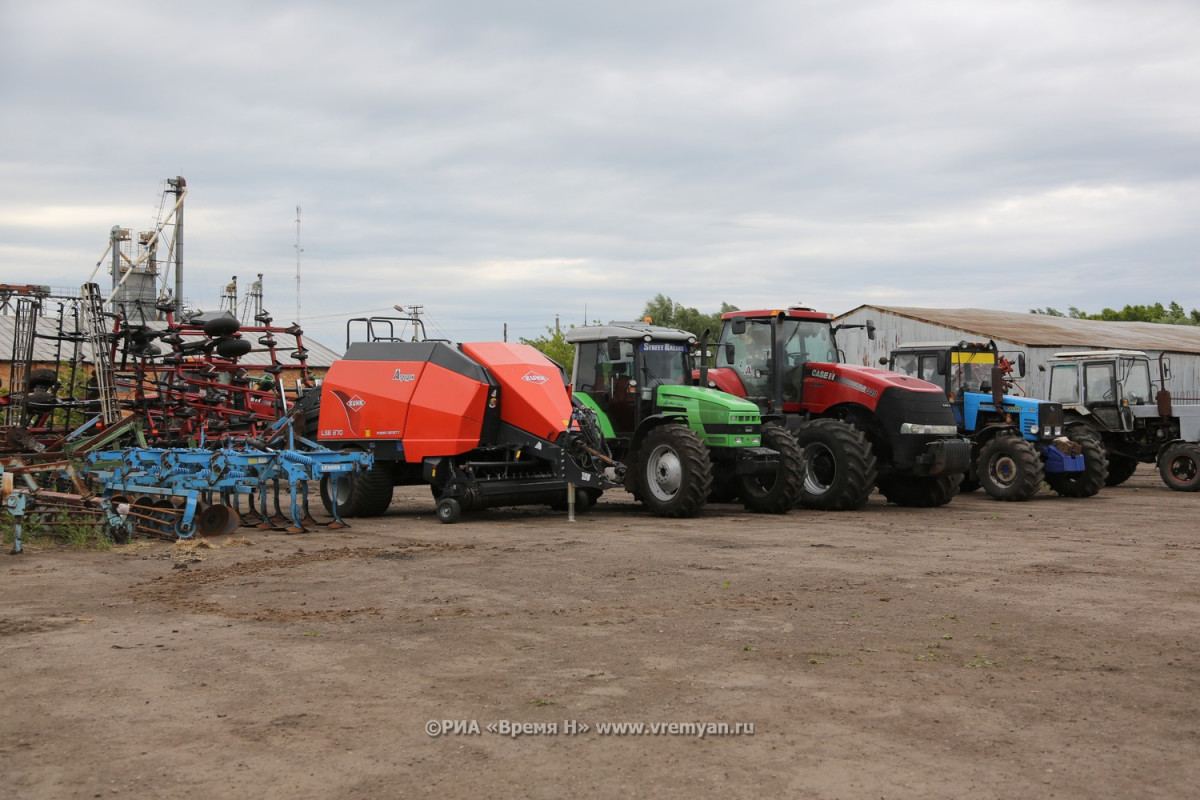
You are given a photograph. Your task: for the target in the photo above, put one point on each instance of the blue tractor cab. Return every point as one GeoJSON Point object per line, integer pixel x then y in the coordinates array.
{"type": "Point", "coordinates": [1017, 442]}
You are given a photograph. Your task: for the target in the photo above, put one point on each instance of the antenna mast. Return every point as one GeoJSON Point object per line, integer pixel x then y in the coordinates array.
{"type": "Point", "coordinates": [299, 250]}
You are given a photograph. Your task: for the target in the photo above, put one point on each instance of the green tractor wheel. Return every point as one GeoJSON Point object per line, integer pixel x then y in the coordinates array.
{"type": "Point", "coordinates": [674, 473]}
{"type": "Point", "coordinates": [779, 492]}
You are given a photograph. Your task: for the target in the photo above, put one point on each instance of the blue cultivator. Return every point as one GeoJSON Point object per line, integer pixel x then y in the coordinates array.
{"type": "Point", "coordinates": [178, 492]}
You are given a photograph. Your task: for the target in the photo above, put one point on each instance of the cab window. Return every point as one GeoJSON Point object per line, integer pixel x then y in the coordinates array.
{"type": "Point", "coordinates": [1064, 384]}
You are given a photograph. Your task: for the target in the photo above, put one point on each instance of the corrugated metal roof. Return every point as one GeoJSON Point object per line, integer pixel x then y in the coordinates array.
{"type": "Point", "coordinates": [47, 349]}
{"type": "Point", "coordinates": [1042, 330]}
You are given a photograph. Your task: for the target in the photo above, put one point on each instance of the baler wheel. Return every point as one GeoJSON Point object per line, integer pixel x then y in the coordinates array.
{"type": "Point", "coordinates": [449, 511]}
{"type": "Point", "coordinates": [359, 494]}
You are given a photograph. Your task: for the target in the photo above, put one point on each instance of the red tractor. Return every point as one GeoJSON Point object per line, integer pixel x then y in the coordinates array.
{"type": "Point", "coordinates": [859, 427]}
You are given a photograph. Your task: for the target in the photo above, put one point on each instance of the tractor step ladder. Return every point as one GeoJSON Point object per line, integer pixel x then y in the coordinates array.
{"type": "Point", "coordinates": [93, 316]}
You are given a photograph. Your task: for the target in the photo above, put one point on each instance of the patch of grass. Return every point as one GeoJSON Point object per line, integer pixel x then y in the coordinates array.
{"type": "Point", "coordinates": [80, 531]}
{"type": "Point", "coordinates": [540, 701]}
{"type": "Point", "coordinates": [979, 662]}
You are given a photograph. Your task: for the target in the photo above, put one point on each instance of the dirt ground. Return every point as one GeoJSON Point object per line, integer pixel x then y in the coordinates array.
{"type": "Point", "coordinates": [983, 649]}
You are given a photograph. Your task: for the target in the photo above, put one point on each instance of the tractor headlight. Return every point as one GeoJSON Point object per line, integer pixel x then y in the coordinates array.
{"type": "Point", "coordinates": [928, 430]}
{"type": "Point", "coordinates": [1033, 428]}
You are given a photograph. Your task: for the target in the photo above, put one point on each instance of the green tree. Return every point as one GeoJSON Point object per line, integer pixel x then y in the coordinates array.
{"type": "Point", "coordinates": [664, 311]}
{"type": "Point", "coordinates": [554, 345]}
{"type": "Point", "coordinates": [1172, 314]}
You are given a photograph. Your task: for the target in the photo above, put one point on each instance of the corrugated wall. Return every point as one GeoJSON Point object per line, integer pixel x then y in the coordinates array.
{"type": "Point", "coordinates": [892, 330]}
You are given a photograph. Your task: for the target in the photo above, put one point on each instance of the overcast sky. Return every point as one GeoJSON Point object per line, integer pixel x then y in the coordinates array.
{"type": "Point", "coordinates": [507, 162]}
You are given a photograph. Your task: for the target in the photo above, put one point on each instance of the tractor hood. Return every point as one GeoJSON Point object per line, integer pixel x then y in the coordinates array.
{"type": "Point", "coordinates": [871, 381]}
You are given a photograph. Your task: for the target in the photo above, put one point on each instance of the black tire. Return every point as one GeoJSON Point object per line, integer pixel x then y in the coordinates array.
{"type": "Point", "coordinates": [41, 377]}
{"type": "Point", "coordinates": [780, 492]}
{"type": "Point", "coordinates": [1120, 469]}
{"type": "Point", "coordinates": [308, 413]}
{"type": "Point", "coordinates": [359, 494]}
{"type": "Point", "coordinates": [725, 487]}
{"type": "Point", "coordinates": [1179, 466]}
{"type": "Point", "coordinates": [584, 500]}
{"type": "Point", "coordinates": [1009, 468]}
{"type": "Point", "coordinates": [674, 474]}
{"type": "Point", "coordinates": [1095, 467]}
{"type": "Point", "coordinates": [839, 467]}
{"type": "Point", "coordinates": [449, 511]}
{"type": "Point", "coordinates": [40, 401]}
{"type": "Point", "coordinates": [919, 491]}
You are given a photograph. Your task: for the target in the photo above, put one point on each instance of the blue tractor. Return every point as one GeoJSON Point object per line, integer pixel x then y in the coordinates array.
{"type": "Point", "coordinates": [1017, 442]}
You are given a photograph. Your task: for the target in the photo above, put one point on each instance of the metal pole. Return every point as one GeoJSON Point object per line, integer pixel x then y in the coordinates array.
{"type": "Point", "coordinates": [177, 185]}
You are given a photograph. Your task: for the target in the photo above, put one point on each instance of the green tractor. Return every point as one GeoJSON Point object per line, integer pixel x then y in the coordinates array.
{"type": "Point", "coordinates": [679, 444]}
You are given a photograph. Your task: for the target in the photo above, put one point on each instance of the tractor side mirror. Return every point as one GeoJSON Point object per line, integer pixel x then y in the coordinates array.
{"type": "Point", "coordinates": [738, 326]}
{"type": "Point", "coordinates": [871, 329]}
{"type": "Point", "coordinates": [1020, 365]}
{"type": "Point", "coordinates": [614, 348]}
{"type": "Point", "coordinates": [729, 352]}
{"type": "Point", "coordinates": [943, 363]}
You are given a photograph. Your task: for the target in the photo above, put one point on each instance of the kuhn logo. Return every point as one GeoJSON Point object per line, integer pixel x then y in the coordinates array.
{"type": "Point", "coordinates": [533, 377]}
{"type": "Point", "coordinates": [355, 403]}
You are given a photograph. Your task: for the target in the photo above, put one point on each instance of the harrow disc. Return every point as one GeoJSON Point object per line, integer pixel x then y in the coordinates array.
{"type": "Point", "coordinates": [216, 520]}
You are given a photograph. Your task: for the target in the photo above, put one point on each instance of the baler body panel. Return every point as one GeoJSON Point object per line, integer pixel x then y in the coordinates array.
{"type": "Point", "coordinates": [413, 393]}
{"type": "Point", "coordinates": [532, 392]}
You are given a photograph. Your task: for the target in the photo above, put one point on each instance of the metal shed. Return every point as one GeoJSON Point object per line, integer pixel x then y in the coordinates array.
{"type": "Point", "coordinates": [1039, 336]}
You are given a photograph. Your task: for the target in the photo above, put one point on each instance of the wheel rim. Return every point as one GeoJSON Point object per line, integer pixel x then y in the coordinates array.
{"type": "Point", "coordinates": [1004, 470]}
{"type": "Point", "coordinates": [820, 469]}
{"type": "Point", "coordinates": [1183, 468]}
{"type": "Point", "coordinates": [664, 472]}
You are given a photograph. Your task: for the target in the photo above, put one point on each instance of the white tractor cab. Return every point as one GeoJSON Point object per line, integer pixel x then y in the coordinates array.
{"type": "Point", "coordinates": [1136, 418]}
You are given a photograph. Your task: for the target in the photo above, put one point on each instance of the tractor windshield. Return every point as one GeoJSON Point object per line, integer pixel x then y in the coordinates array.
{"type": "Point", "coordinates": [1135, 380]}
{"type": "Point", "coordinates": [750, 355]}
{"type": "Point", "coordinates": [807, 340]}
{"type": "Point", "coordinates": [1100, 381]}
{"type": "Point", "coordinates": [972, 371]}
{"type": "Point", "coordinates": [665, 362]}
